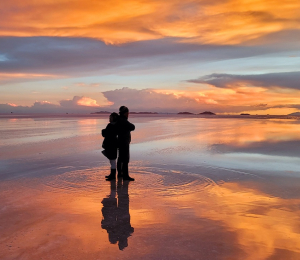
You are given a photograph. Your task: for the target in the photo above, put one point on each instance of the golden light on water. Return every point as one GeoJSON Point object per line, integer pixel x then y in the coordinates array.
{"type": "Point", "coordinates": [262, 223]}
{"type": "Point", "coordinates": [217, 188]}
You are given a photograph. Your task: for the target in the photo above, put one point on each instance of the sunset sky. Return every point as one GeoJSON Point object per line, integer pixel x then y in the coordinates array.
{"type": "Point", "coordinates": [75, 56]}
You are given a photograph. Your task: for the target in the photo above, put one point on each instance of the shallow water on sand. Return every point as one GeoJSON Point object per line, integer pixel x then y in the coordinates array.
{"type": "Point", "coordinates": [204, 189]}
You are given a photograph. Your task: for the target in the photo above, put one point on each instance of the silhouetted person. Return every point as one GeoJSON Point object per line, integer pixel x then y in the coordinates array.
{"type": "Point", "coordinates": [116, 217]}
{"type": "Point", "coordinates": [124, 127]}
{"type": "Point", "coordinates": [110, 143]}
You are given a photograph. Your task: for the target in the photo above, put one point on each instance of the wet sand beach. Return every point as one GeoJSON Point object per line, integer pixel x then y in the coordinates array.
{"type": "Point", "coordinates": [206, 188]}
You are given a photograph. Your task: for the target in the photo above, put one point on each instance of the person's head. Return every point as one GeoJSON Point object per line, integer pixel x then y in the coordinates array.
{"type": "Point", "coordinates": [124, 111]}
{"type": "Point", "coordinates": [113, 117]}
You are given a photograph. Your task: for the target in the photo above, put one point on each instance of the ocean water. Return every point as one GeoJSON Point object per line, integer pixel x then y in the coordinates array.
{"type": "Point", "coordinates": [206, 188]}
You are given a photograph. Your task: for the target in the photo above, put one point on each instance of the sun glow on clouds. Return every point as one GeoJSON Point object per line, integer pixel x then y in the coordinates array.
{"type": "Point", "coordinates": [239, 99]}
{"type": "Point", "coordinates": [85, 102]}
{"type": "Point", "coordinates": [44, 102]}
{"type": "Point", "coordinates": [76, 105]}
{"type": "Point", "coordinates": [88, 102]}
{"type": "Point", "coordinates": [117, 21]}
{"type": "Point", "coordinates": [4, 76]}
{"type": "Point", "coordinates": [219, 100]}
{"type": "Point", "coordinates": [12, 104]}
{"type": "Point", "coordinates": [198, 96]}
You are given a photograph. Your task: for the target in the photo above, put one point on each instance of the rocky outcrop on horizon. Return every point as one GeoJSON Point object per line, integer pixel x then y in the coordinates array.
{"type": "Point", "coordinates": [185, 113]}
{"type": "Point", "coordinates": [101, 112]}
{"type": "Point", "coordinates": [207, 113]}
{"type": "Point", "coordinates": [294, 114]}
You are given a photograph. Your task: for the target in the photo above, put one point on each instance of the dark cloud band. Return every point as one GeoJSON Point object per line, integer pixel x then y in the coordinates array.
{"type": "Point", "coordinates": [269, 80]}
{"type": "Point", "coordinates": [74, 56]}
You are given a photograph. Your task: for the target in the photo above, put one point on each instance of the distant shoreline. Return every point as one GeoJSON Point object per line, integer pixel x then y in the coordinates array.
{"type": "Point", "coordinates": [18, 116]}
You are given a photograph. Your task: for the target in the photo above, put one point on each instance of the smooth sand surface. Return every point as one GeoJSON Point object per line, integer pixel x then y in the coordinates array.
{"type": "Point", "coordinates": [204, 189]}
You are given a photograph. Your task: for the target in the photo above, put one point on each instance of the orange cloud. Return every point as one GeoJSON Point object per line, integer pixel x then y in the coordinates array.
{"type": "Point", "coordinates": [85, 101]}
{"type": "Point", "coordinates": [245, 99]}
{"type": "Point", "coordinates": [7, 76]}
{"type": "Point", "coordinates": [44, 102]}
{"type": "Point", "coordinates": [12, 104]}
{"type": "Point", "coordinates": [76, 105]}
{"type": "Point", "coordinates": [219, 100]}
{"type": "Point", "coordinates": [117, 21]}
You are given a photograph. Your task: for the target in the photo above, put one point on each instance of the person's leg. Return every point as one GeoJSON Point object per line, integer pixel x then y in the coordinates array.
{"type": "Point", "coordinates": [119, 168]}
{"type": "Point", "coordinates": [113, 170]}
{"type": "Point", "coordinates": [125, 169]}
{"type": "Point", "coordinates": [125, 165]}
{"type": "Point", "coordinates": [113, 164]}
{"type": "Point", "coordinates": [121, 159]}
{"type": "Point", "coordinates": [126, 176]}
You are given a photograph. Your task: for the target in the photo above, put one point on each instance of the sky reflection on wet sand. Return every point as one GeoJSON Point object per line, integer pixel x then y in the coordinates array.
{"type": "Point", "coordinates": [184, 204]}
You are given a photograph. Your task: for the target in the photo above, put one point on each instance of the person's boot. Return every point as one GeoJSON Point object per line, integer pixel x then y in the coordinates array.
{"type": "Point", "coordinates": [107, 176]}
{"type": "Point", "coordinates": [126, 176]}
{"type": "Point", "coordinates": [112, 175]}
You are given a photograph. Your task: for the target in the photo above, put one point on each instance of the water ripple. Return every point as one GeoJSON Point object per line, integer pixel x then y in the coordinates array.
{"type": "Point", "coordinates": [162, 181]}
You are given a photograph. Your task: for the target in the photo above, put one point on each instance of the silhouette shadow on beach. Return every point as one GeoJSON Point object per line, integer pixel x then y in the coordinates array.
{"type": "Point", "coordinates": [116, 217]}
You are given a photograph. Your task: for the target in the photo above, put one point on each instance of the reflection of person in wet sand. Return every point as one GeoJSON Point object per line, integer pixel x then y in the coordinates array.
{"type": "Point", "coordinates": [116, 217]}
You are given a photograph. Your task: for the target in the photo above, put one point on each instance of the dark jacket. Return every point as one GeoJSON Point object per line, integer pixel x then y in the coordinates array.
{"type": "Point", "coordinates": [110, 142]}
{"type": "Point", "coordinates": [124, 127]}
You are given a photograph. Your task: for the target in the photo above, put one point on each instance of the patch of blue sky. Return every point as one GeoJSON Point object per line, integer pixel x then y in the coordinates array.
{"type": "Point", "coordinates": [282, 62]}
{"type": "Point", "coordinates": [3, 57]}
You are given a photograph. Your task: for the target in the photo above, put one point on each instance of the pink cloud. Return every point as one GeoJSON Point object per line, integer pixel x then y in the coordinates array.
{"type": "Point", "coordinates": [76, 105]}
{"type": "Point", "coordinates": [89, 102]}
{"type": "Point", "coordinates": [156, 101]}
{"type": "Point", "coordinates": [217, 100]}
{"type": "Point", "coordinates": [12, 105]}
{"type": "Point", "coordinates": [84, 102]}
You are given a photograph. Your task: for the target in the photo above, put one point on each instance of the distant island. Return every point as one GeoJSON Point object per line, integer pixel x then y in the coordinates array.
{"type": "Point", "coordinates": [294, 114]}
{"type": "Point", "coordinates": [244, 114]}
{"type": "Point", "coordinates": [207, 113]}
{"type": "Point", "coordinates": [101, 112]}
{"type": "Point", "coordinates": [185, 113]}
{"type": "Point", "coordinates": [203, 113]}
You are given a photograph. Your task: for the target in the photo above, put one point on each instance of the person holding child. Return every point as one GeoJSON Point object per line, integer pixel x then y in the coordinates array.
{"type": "Point", "coordinates": [121, 129]}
